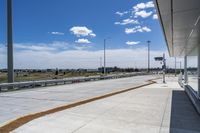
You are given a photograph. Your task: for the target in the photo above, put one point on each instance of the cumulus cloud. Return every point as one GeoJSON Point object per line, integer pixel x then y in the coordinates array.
{"type": "Point", "coordinates": [143, 14]}
{"type": "Point", "coordinates": [57, 33]}
{"type": "Point", "coordinates": [83, 41]}
{"type": "Point", "coordinates": [28, 58]}
{"type": "Point", "coordinates": [127, 21]}
{"type": "Point", "coordinates": [121, 13]}
{"type": "Point", "coordinates": [82, 31]}
{"type": "Point", "coordinates": [142, 6]}
{"type": "Point", "coordinates": [137, 29]}
{"type": "Point", "coordinates": [132, 43]}
{"type": "Point", "coordinates": [155, 16]}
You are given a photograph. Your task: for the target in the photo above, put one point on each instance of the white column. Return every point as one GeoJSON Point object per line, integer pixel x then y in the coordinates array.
{"type": "Point", "coordinates": [185, 70]}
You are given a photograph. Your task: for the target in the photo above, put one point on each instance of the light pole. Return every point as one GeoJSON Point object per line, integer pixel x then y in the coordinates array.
{"type": "Point", "coordinates": [10, 43]}
{"type": "Point", "coordinates": [105, 55]}
{"type": "Point", "coordinates": [104, 71]}
{"type": "Point", "coordinates": [148, 42]}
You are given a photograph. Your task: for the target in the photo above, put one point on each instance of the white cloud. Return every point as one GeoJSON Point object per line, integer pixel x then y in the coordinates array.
{"type": "Point", "coordinates": [143, 14]}
{"type": "Point", "coordinates": [127, 21]}
{"type": "Point", "coordinates": [42, 59]}
{"type": "Point", "coordinates": [145, 29]}
{"type": "Point", "coordinates": [155, 16]}
{"type": "Point", "coordinates": [93, 35]}
{"type": "Point", "coordinates": [121, 13]}
{"type": "Point", "coordinates": [82, 31]}
{"type": "Point", "coordinates": [54, 46]}
{"type": "Point", "coordinates": [141, 6]}
{"type": "Point", "coordinates": [132, 43]}
{"type": "Point", "coordinates": [137, 29]}
{"type": "Point", "coordinates": [83, 41]}
{"type": "Point", "coordinates": [57, 33]}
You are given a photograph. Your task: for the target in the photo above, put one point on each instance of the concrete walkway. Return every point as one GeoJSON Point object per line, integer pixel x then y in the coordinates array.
{"type": "Point", "coordinates": [158, 108]}
{"type": "Point", "coordinates": [20, 103]}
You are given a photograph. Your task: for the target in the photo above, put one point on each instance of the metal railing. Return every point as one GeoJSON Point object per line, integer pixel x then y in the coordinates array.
{"type": "Point", "coordinates": [180, 79]}
{"type": "Point", "coordinates": [44, 83]}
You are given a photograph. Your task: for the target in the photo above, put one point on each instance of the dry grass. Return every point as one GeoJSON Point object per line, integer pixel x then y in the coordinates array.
{"type": "Point", "coordinates": [45, 76]}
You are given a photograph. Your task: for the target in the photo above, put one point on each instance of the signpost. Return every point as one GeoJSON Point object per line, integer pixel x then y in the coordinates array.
{"type": "Point", "coordinates": [163, 60]}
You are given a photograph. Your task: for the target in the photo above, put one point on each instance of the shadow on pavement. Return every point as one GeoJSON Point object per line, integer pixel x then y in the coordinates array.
{"type": "Point", "coordinates": [184, 117]}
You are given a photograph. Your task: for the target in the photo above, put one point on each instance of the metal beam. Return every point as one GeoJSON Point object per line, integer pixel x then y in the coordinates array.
{"type": "Point", "coordinates": [10, 43]}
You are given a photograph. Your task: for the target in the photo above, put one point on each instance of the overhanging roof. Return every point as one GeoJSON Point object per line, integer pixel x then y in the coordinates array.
{"type": "Point", "coordinates": [180, 23]}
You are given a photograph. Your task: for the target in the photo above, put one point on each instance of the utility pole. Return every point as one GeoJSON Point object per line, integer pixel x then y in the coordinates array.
{"type": "Point", "coordinates": [104, 56]}
{"type": "Point", "coordinates": [10, 43]}
{"type": "Point", "coordinates": [148, 42]}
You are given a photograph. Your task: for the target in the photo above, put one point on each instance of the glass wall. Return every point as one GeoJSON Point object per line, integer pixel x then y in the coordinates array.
{"type": "Point", "coordinates": [192, 72]}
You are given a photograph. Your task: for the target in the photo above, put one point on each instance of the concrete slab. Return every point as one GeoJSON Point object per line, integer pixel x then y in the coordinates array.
{"type": "Point", "coordinates": [158, 108]}
{"type": "Point", "coordinates": [20, 103]}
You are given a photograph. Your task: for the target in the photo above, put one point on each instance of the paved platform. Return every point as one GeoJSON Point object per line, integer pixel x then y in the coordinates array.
{"type": "Point", "coordinates": [157, 108]}
{"type": "Point", "coordinates": [19, 103]}
{"type": "Point", "coordinates": [193, 82]}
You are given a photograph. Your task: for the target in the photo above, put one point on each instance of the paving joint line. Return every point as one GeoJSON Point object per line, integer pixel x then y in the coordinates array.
{"type": "Point", "coordinates": [27, 118]}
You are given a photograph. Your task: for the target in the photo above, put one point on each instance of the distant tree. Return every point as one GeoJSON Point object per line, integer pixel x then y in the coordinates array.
{"type": "Point", "coordinates": [56, 73]}
{"type": "Point", "coordinates": [136, 70]}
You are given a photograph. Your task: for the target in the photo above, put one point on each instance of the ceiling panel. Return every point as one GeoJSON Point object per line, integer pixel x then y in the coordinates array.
{"type": "Point", "coordinates": [178, 21]}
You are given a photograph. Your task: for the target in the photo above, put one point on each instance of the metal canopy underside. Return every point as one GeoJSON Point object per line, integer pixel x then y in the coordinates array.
{"type": "Point", "coordinates": [180, 22]}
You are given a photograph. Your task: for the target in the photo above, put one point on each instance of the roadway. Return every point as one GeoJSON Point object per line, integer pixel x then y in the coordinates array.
{"type": "Point", "coordinates": [20, 103]}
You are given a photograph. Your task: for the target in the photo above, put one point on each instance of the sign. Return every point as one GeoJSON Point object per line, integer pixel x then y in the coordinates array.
{"type": "Point", "coordinates": [158, 58]}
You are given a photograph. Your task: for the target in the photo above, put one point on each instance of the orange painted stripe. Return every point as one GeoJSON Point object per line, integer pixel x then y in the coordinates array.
{"type": "Point", "coordinates": [27, 118]}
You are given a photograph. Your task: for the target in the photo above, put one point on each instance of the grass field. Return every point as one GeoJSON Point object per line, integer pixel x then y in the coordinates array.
{"type": "Point", "coordinates": [45, 76]}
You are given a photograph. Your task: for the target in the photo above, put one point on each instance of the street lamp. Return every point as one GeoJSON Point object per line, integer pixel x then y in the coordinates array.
{"type": "Point", "coordinates": [105, 55]}
{"type": "Point", "coordinates": [148, 42]}
{"type": "Point", "coordinates": [10, 42]}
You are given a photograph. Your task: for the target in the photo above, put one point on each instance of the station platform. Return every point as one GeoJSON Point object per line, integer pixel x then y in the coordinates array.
{"type": "Point", "coordinates": [157, 108]}
{"type": "Point", "coordinates": [20, 103]}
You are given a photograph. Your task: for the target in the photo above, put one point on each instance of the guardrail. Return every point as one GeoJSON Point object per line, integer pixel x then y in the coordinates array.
{"type": "Point", "coordinates": [44, 83]}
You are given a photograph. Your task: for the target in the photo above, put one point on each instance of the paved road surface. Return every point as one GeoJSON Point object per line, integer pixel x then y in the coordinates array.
{"type": "Point", "coordinates": [19, 103]}
{"type": "Point", "coordinates": [157, 108]}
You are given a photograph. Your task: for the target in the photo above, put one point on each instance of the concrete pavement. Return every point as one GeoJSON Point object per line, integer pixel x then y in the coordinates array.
{"type": "Point", "coordinates": [20, 103]}
{"type": "Point", "coordinates": [158, 108]}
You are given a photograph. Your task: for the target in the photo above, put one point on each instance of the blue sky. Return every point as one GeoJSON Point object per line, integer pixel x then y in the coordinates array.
{"type": "Point", "coordinates": [52, 28]}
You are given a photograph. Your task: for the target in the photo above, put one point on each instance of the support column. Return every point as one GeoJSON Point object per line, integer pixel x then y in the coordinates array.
{"type": "Point", "coordinates": [198, 70]}
{"type": "Point", "coordinates": [175, 67]}
{"type": "Point", "coordinates": [185, 70]}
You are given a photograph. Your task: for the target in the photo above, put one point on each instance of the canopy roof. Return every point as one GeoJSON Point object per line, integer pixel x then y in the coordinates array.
{"type": "Point", "coordinates": [180, 23]}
